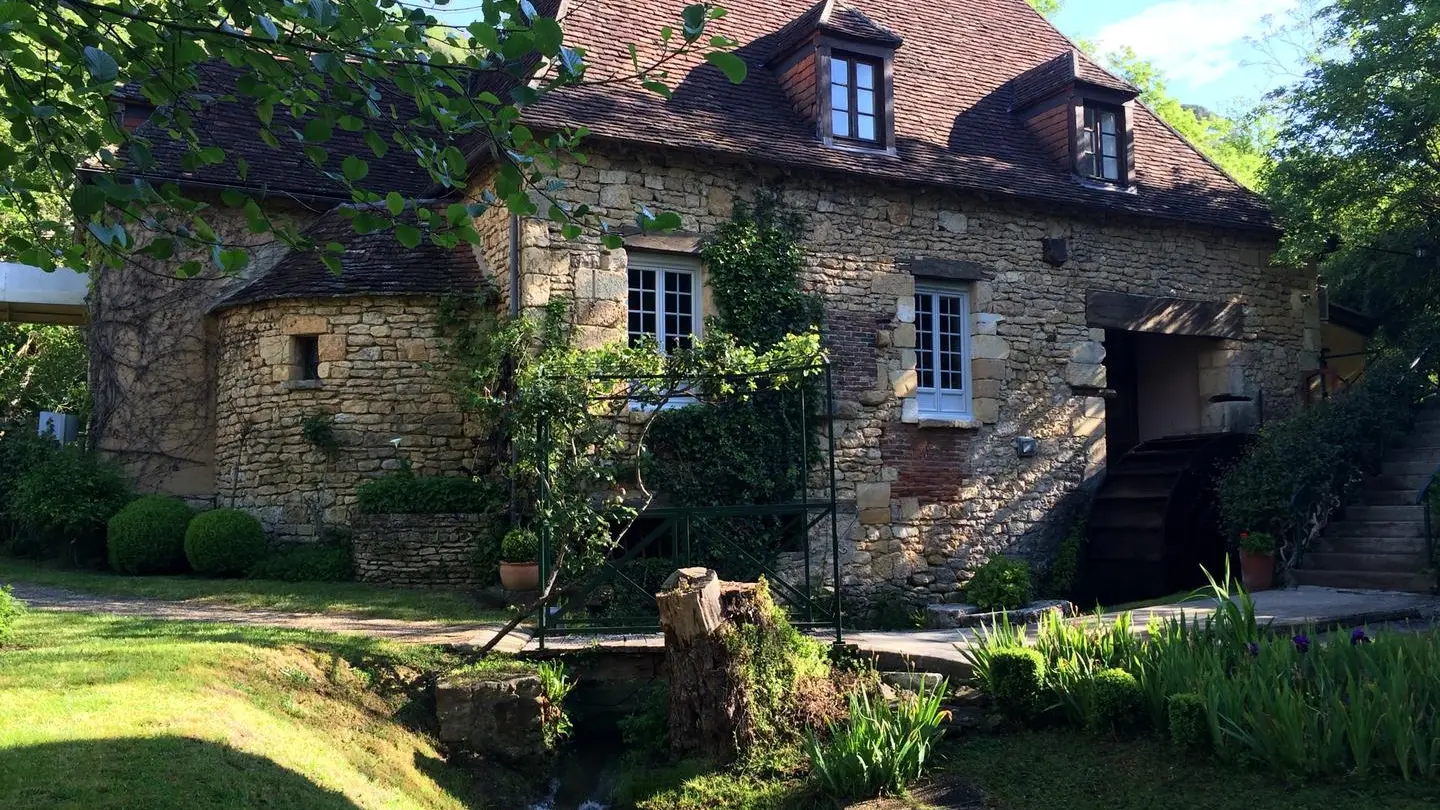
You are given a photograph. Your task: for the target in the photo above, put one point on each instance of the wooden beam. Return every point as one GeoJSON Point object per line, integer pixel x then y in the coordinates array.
{"type": "Point", "coordinates": [1164, 316]}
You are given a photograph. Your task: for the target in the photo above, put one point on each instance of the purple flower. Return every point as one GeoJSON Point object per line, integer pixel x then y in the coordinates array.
{"type": "Point", "coordinates": [1253, 649]}
{"type": "Point", "coordinates": [1357, 636]}
{"type": "Point", "coordinates": [1302, 643]}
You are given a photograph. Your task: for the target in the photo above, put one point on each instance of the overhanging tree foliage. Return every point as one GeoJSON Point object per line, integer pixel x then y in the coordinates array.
{"type": "Point", "coordinates": [1357, 179]}
{"type": "Point", "coordinates": [387, 72]}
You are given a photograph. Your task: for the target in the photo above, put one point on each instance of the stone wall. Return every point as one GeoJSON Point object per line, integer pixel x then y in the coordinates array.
{"type": "Point", "coordinates": [383, 388]}
{"type": "Point", "coordinates": [928, 502]}
{"type": "Point", "coordinates": [424, 550]}
{"type": "Point", "coordinates": [153, 351]}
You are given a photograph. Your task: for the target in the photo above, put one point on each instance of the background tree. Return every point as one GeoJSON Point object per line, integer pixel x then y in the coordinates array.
{"type": "Point", "coordinates": [389, 72]}
{"type": "Point", "coordinates": [42, 368]}
{"type": "Point", "coordinates": [1357, 177]}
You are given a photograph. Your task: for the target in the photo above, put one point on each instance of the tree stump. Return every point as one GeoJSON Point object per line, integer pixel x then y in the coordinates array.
{"type": "Point", "coordinates": [710, 708]}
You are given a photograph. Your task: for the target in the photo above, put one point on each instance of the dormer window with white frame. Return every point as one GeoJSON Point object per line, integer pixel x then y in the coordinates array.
{"type": "Point", "coordinates": [664, 300]}
{"type": "Point", "coordinates": [942, 351]}
{"type": "Point", "coordinates": [855, 103]}
{"type": "Point", "coordinates": [1102, 143]}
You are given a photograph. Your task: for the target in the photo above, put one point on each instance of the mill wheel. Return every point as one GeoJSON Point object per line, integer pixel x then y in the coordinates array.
{"type": "Point", "coordinates": [1156, 519]}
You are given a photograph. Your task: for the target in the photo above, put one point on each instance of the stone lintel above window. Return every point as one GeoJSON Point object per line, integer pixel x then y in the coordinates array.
{"type": "Point", "coordinates": [930, 267]}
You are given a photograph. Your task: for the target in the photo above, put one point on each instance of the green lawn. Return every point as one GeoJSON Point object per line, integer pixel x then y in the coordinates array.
{"type": "Point", "coordinates": [109, 713]}
{"type": "Point", "coordinates": [303, 597]}
{"type": "Point", "coordinates": [1069, 770]}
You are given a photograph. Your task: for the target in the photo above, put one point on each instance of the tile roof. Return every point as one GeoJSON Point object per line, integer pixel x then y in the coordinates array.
{"type": "Point", "coordinates": [232, 125]}
{"type": "Point", "coordinates": [953, 92]}
{"type": "Point", "coordinates": [847, 21]}
{"type": "Point", "coordinates": [372, 264]}
{"type": "Point", "coordinates": [1048, 78]}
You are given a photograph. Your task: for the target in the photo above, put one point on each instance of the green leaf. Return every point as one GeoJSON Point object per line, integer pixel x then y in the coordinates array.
{"type": "Point", "coordinates": [231, 260]}
{"type": "Point", "coordinates": [376, 143]}
{"type": "Point", "coordinates": [354, 168]}
{"type": "Point", "coordinates": [87, 201]}
{"type": "Point", "coordinates": [268, 26]}
{"type": "Point", "coordinates": [318, 130]}
{"type": "Point", "coordinates": [407, 235]}
{"type": "Point", "coordinates": [394, 203]}
{"type": "Point", "coordinates": [161, 249]}
{"type": "Point", "coordinates": [731, 65]}
{"type": "Point", "coordinates": [548, 36]}
{"type": "Point", "coordinates": [101, 65]}
{"type": "Point", "coordinates": [188, 269]}
{"type": "Point", "coordinates": [694, 18]}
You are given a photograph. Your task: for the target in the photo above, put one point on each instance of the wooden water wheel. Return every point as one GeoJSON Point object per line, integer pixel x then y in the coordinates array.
{"type": "Point", "coordinates": [1156, 518]}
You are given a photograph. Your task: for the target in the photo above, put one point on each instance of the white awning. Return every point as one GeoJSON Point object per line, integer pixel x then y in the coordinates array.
{"type": "Point", "coordinates": [32, 295]}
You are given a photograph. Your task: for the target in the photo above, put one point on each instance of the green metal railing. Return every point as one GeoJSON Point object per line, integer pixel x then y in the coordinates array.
{"type": "Point", "coordinates": [685, 536]}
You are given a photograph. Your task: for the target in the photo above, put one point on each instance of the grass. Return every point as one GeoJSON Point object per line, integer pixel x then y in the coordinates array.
{"type": "Point", "coordinates": [1070, 770]}
{"type": "Point", "coordinates": [350, 598]}
{"type": "Point", "coordinates": [112, 713]}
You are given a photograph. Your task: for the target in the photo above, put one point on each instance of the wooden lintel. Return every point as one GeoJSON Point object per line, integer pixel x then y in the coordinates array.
{"type": "Point", "coordinates": [946, 269]}
{"type": "Point", "coordinates": [674, 242]}
{"type": "Point", "coordinates": [1164, 316]}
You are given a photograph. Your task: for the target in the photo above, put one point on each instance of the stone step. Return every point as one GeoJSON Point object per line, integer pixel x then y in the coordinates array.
{"type": "Point", "coordinates": [1365, 528]}
{"type": "Point", "coordinates": [1339, 544]}
{"type": "Point", "coordinates": [1370, 561]}
{"type": "Point", "coordinates": [1384, 514]}
{"type": "Point", "coordinates": [1386, 497]}
{"type": "Point", "coordinates": [1368, 580]}
{"type": "Point", "coordinates": [1420, 468]}
{"type": "Point", "coordinates": [1408, 483]}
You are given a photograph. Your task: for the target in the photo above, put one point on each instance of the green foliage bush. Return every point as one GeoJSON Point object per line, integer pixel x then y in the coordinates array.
{"type": "Point", "coordinates": [1323, 450]}
{"type": "Point", "coordinates": [224, 542]}
{"type": "Point", "coordinates": [1017, 676]}
{"type": "Point", "coordinates": [1064, 574]}
{"type": "Point", "coordinates": [148, 536]}
{"type": "Point", "coordinates": [1001, 584]}
{"type": "Point", "coordinates": [555, 687]}
{"type": "Point", "coordinates": [404, 493]}
{"type": "Point", "coordinates": [11, 609]}
{"type": "Point", "coordinates": [880, 748]}
{"type": "Point", "coordinates": [1187, 720]}
{"type": "Point", "coordinates": [1297, 705]}
{"type": "Point", "coordinates": [519, 546]}
{"type": "Point", "coordinates": [1116, 701]}
{"type": "Point", "coordinates": [60, 505]}
{"type": "Point", "coordinates": [317, 563]}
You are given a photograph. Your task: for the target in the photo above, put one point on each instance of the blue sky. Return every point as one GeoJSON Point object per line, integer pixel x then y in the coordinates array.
{"type": "Point", "coordinates": [1201, 45]}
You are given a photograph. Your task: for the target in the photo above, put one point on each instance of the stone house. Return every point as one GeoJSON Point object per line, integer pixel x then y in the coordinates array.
{"type": "Point", "coordinates": [1024, 273]}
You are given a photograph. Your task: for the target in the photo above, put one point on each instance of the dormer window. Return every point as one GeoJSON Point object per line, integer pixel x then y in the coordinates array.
{"type": "Point", "coordinates": [1101, 153]}
{"type": "Point", "coordinates": [854, 101]}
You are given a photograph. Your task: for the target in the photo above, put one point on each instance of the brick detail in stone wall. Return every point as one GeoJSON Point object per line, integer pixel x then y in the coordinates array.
{"type": "Point", "coordinates": [929, 464]}
{"type": "Point", "coordinates": [418, 551]}
{"type": "Point", "coordinates": [384, 377]}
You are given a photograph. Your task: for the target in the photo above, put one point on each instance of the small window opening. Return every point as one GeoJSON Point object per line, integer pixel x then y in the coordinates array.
{"type": "Point", "coordinates": [1102, 135]}
{"type": "Point", "coordinates": [854, 98]}
{"type": "Point", "coordinates": [305, 357]}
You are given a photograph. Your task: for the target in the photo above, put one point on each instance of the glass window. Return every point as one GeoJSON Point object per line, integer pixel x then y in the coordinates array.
{"type": "Point", "coordinates": [664, 303]}
{"type": "Point", "coordinates": [305, 357]}
{"type": "Point", "coordinates": [854, 104]}
{"type": "Point", "coordinates": [942, 352]}
{"type": "Point", "coordinates": [1102, 136]}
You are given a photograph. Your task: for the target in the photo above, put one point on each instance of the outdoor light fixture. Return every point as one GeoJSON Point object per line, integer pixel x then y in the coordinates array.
{"type": "Point", "coordinates": [1025, 446]}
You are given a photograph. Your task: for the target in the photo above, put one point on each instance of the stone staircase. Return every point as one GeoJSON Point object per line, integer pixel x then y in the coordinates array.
{"type": "Point", "coordinates": [1378, 542]}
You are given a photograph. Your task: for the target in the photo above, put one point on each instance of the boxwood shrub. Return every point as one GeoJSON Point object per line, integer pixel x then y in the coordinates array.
{"type": "Point", "coordinates": [224, 542]}
{"type": "Point", "coordinates": [1001, 584]}
{"type": "Point", "coordinates": [1189, 726]}
{"type": "Point", "coordinates": [148, 536]}
{"type": "Point", "coordinates": [1017, 676]}
{"type": "Point", "coordinates": [1117, 701]}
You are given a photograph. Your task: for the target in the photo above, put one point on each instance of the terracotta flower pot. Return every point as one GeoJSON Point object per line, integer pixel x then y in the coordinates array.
{"type": "Point", "coordinates": [1257, 570]}
{"type": "Point", "coordinates": [520, 576]}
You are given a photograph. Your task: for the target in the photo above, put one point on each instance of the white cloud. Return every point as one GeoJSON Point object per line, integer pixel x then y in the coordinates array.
{"type": "Point", "coordinates": [1196, 42]}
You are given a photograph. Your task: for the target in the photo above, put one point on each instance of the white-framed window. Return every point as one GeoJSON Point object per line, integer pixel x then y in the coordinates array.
{"type": "Point", "coordinates": [664, 301]}
{"type": "Point", "coordinates": [942, 351]}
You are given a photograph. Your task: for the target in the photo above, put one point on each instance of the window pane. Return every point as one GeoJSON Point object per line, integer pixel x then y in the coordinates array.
{"type": "Point", "coordinates": [839, 70]}
{"type": "Point", "coordinates": [1107, 145]}
{"type": "Point", "coordinates": [924, 342]}
{"type": "Point", "coordinates": [865, 125]}
{"type": "Point", "coordinates": [840, 124]}
{"type": "Point", "coordinates": [839, 97]}
{"type": "Point", "coordinates": [642, 304]}
{"type": "Point", "coordinates": [864, 76]}
{"type": "Point", "coordinates": [679, 309]}
{"type": "Point", "coordinates": [1107, 123]}
{"type": "Point", "coordinates": [1112, 168]}
{"type": "Point", "coordinates": [865, 101]}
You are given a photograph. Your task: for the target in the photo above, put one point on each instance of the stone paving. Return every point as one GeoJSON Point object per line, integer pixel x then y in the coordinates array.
{"type": "Point", "coordinates": [408, 632]}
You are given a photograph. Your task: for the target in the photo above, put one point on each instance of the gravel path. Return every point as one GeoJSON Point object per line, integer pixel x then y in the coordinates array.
{"type": "Point", "coordinates": [410, 632]}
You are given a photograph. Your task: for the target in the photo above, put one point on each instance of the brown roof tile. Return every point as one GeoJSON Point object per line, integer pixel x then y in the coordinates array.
{"type": "Point", "coordinates": [953, 96]}
{"type": "Point", "coordinates": [372, 264]}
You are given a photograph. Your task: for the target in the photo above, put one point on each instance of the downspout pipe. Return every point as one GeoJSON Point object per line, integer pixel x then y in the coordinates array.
{"type": "Point", "coordinates": [514, 273]}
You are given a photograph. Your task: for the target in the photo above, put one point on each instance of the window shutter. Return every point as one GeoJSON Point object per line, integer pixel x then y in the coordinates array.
{"type": "Point", "coordinates": [1084, 142]}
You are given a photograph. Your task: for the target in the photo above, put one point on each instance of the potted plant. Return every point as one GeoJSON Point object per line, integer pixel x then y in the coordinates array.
{"type": "Point", "coordinates": [519, 552]}
{"type": "Point", "coordinates": [1257, 560]}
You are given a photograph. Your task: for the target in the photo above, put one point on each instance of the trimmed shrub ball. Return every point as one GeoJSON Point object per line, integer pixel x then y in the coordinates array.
{"type": "Point", "coordinates": [1118, 701]}
{"type": "Point", "coordinates": [148, 536]}
{"type": "Point", "coordinates": [1189, 725]}
{"type": "Point", "coordinates": [224, 542]}
{"type": "Point", "coordinates": [1018, 681]}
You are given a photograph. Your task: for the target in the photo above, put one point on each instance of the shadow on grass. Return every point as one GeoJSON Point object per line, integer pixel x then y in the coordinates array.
{"type": "Point", "coordinates": [159, 773]}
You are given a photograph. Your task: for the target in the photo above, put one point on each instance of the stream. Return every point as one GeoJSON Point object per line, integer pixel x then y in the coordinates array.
{"type": "Point", "coordinates": [585, 774]}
